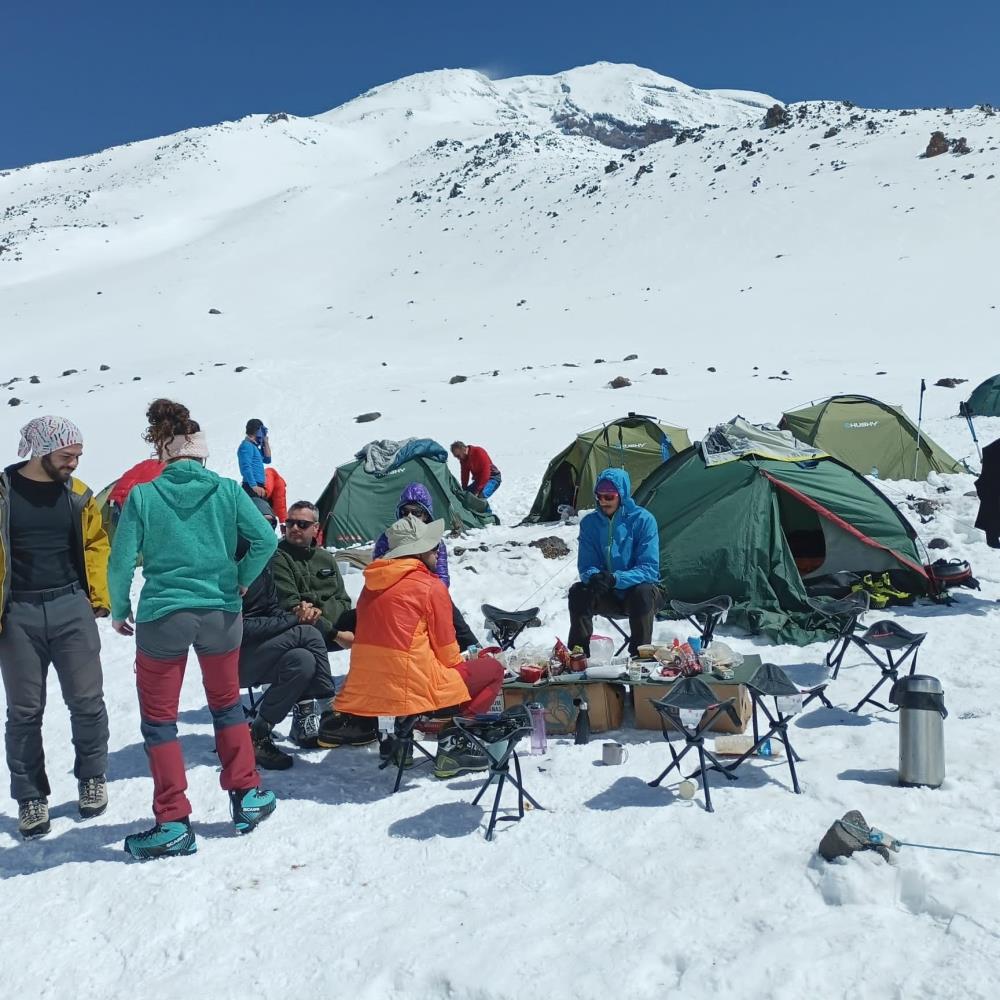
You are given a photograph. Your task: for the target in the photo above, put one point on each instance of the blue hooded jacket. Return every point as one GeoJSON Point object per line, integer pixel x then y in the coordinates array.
{"type": "Point", "coordinates": [627, 544]}
{"type": "Point", "coordinates": [416, 493]}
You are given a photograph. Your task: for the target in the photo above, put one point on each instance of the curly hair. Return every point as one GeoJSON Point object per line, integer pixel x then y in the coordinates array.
{"type": "Point", "coordinates": [167, 420]}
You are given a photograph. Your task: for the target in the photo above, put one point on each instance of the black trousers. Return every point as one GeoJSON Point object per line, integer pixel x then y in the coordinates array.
{"type": "Point", "coordinates": [294, 663]}
{"type": "Point", "coordinates": [464, 635]}
{"type": "Point", "coordinates": [638, 604]}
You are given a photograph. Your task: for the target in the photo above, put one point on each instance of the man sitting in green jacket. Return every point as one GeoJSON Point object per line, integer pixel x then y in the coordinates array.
{"type": "Point", "coordinates": [308, 580]}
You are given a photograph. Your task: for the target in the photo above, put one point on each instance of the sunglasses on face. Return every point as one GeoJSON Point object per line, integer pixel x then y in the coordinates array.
{"type": "Point", "coordinates": [606, 497]}
{"type": "Point", "coordinates": [297, 522]}
{"type": "Point", "coordinates": [415, 511]}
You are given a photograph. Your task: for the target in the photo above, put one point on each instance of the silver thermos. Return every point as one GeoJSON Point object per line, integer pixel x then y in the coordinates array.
{"type": "Point", "coordinates": [921, 729]}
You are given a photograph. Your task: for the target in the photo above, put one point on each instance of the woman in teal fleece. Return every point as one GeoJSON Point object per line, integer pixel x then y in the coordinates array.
{"type": "Point", "coordinates": [184, 525]}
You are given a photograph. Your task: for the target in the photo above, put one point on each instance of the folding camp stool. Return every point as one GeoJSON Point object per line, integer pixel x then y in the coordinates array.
{"type": "Point", "coordinates": [891, 638]}
{"type": "Point", "coordinates": [770, 681]}
{"type": "Point", "coordinates": [506, 626]}
{"type": "Point", "coordinates": [404, 742]}
{"type": "Point", "coordinates": [614, 619]}
{"type": "Point", "coordinates": [693, 695]}
{"type": "Point", "coordinates": [497, 738]}
{"type": "Point", "coordinates": [704, 615]}
{"type": "Point", "coordinates": [846, 613]}
{"type": "Point", "coordinates": [251, 712]}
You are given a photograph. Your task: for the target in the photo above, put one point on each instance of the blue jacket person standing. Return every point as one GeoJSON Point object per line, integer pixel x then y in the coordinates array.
{"type": "Point", "coordinates": [619, 564]}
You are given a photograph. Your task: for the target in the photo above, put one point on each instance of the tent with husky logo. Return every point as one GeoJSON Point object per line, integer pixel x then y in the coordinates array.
{"type": "Point", "coordinates": [870, 436]}
{"type": "Point", "coordinates": [636, 443]}
{"type": "Point", "coordinates": [985, 399]}
{"type": "Point", "coordinates": [359, 502]}
{"type": "Point", "coordinates": [754, 514]}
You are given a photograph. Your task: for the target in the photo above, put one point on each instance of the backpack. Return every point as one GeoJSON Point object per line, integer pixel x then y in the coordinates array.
{"type": "Point", "coordinates": [953, 573]}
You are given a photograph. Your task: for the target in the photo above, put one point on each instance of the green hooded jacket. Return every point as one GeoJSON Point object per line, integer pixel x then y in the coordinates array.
{"type": "Point", "coordinates": [185, 525]}
{"type": "Point", "coordinates": [311, 575]}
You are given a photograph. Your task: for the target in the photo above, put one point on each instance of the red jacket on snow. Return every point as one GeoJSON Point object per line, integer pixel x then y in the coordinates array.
{"type": "Point", "coordinates": [478, 466]}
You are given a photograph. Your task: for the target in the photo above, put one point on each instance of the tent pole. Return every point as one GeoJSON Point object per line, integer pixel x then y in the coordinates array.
{"type": "Point", "coordinates": [920, 420]}
{"type": "Point", "coordinates": [963, 411]}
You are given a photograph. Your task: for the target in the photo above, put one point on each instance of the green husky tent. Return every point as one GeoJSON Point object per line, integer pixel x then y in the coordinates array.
{"type": "Point", "coordinates": [635, 443]}
{"type": "Point", "coordinates": [761, 529]}
{"type": "Point", "coordinates": [985, 399]}
{"type": "Point", "coordinates": [868, 435]}
{"type": "Point", "coordinates": [357, 506]}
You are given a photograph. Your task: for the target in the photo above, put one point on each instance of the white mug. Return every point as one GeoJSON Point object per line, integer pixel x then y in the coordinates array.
{"type": "Point", "coordinates": [613, 753]}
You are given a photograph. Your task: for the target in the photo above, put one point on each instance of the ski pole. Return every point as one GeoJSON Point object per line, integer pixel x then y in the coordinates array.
{"type": "Point", "coordinates": [963, 411]}
{"type": "Point", "coordinates": [920, 420]}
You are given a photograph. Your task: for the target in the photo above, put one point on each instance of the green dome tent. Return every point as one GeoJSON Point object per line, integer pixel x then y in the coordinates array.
{"type": "Point", "coordinates": [985, 399]}
{"type": "Point", "coordinates": [868, 434]}
{"type": "Point", "coordinates": [357, 506]}
{"type": "Point", "coordinates": [635, 443]}
{"type": "Point", "coordinates": [760, 529]}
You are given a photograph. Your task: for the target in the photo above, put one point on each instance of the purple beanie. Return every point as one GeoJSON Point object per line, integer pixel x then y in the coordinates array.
{"type": "Point", "coordinates": [606, 486]}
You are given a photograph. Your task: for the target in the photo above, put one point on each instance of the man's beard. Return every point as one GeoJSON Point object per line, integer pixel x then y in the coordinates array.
{"type": "Point", "coordinates": [55, 474]}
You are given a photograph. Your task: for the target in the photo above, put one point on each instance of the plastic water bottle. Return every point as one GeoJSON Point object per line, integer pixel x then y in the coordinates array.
{"type": "Point", "coordinates": [765, 750]}
{"type": "Point", "coordinates": [539, 745]}
{"type": "Point", "coordinates": [874, 472]}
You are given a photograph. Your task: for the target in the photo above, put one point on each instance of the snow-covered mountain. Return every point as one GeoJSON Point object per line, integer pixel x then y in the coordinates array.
{"type": "Point", "coordinates": [538, 236]}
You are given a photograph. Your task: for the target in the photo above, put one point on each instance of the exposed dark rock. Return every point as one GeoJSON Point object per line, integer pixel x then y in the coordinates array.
{"type": "Point", "coordinates": [937, 543]}
{"type": "Point", "coordinates": [598, 361]}
{"type": "Point", "coordinates": [831, 132]}
{"type": "Point", "coordinates": [612, 167]}
{"type": "Point", "coordinates": [660, 371]}
{"type": "Point", "coordinates": [455, 379]}
{"type": "Point", "coordinates": [950, 383]}
{"type": "Point", "coordinates": [277, 116]}
{"type": "Point", "coordinates": [924, 507]}
{"type": "Point", "coordinates": [611, 131]}
{"type": "Point", "coordinates": [367, 418]}
{"type": "Point", "coordinates": [13, 401]}
{"type": "Point", "coordinates": [34, 380]}
{"type": "Point", "coordinates": [777, 115]}
{"type": "Point", "coordinates": [456, 190]}
{"type": "Point", "coordinates": [710, 368]}
{"type": "Point", "coordinates": [960, 146]}
{"type": "Point", "coordinates": [69, 371]}
{"type": "Point", "coordinates": [105, 368]}
{"type": "Point", "coordinates": [552, 547]}
{"type": "Point", "coordinates": [240, 368]}
{"type": "Point", "coordinates": [937, 145]}
{"type": "Point", "coordinates": [136, 378]}
{"type": "Point", "coordinates": [620, 382]}
{"type": "Point", "coordinates": [720, 167]}
{"type": "Point", "coordinates": [214, 312]}
{"type": "Point", "coordinates": [631, 357]}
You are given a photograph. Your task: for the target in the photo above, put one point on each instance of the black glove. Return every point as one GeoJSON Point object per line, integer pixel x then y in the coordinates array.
{"type": "Point", "coordinates": [602, 583]}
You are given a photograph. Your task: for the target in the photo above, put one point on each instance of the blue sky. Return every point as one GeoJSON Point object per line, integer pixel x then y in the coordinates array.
{"type": "Point", "coordinates": [82, 76]}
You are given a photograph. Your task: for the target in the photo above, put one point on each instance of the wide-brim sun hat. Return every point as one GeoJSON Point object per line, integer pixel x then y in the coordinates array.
{"type": "Point", "coordinates": [409, 536]}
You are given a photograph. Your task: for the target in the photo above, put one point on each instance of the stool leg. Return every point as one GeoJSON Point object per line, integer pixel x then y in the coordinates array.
{"type": "Point", "coordinates": [790, 756]}
{"type": "Point", "coordinates": [496, 806]}
{"type": "Point", "coordinates": [404, 748]}
{"type": "Point", "coordinates": [704, 779]}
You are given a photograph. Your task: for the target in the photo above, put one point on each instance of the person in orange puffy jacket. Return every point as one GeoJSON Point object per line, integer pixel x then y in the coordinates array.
{"type": "Point", "coordinates": [405, 660]}
{"type": "Point", "coordinates": [275, 495]}
{"type": "Point", "coordinates": [142, 472]}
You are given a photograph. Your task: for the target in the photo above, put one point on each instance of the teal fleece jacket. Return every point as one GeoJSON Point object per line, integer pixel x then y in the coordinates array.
{"type": "Point", "coordinates": [184, 525]}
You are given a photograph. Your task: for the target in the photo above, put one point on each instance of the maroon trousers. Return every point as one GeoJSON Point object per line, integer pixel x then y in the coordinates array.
{"type": "Point", "coordinates": [484, 678]}
{"type": "Point", "coordinates": [158, 680]}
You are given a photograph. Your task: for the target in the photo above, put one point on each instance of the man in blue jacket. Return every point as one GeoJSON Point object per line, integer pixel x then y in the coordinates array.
{"type": "Point", "coordinates": [619, 564]}
{"type": "Point", "coordinates": [252, 455]}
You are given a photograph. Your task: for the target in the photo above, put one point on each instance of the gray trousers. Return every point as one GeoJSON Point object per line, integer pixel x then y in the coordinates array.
{"type": "Point", "coordinates": [296, 666]}
{"type": "Point", "coordinates": [61, 632]}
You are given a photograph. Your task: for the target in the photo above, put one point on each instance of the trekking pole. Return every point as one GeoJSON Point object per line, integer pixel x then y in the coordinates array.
{"type": "Point", "coordinates": [963, 411]}
{"type": "Point", "coordinates": [920, 420]}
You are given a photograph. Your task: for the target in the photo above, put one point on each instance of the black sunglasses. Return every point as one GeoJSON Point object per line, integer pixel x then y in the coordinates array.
{"type": "Point", "coordinates": [297, 522]}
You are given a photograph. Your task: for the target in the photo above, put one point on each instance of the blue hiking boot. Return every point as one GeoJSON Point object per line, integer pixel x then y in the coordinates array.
{"type": "Point", "coordinates": [165, 840]}
{"type": "Point", "coordinates": [250, 806]}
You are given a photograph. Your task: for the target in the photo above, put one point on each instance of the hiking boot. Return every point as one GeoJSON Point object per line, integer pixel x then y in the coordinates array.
{"type": "Point", "coordinates": [33, 818]}
{"type": "Point", "coordinates": [338, 729]}
{"type": "Point", "coordinates": [165, 840]}
{"type": "Point", "coordinates": [250, 806]}
{"type": "Point", "coordinates": [305, 725]}
{"type": "Point", "coordinates": [93, 796]}
{"type": "Point", "coordinates": [267, 755]}
{"type": "Point", "coordinates": [456, 754]}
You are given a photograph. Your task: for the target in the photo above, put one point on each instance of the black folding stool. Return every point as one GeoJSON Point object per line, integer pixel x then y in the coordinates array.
{"type": "Point", "coordinates": [689, 693]}
{"type": "Point", "coordinates": [770, 681]}
{"type": "Point", "coordinates": [845, 613]}
{"type": "Point", "coordinates": [506, 626]}
{"type": "Point", "coordinates": [404, 742]}
{"type": "Point", "coordinates": [704, 615]}
{"type": "Point", "coordinates": [497, 737]}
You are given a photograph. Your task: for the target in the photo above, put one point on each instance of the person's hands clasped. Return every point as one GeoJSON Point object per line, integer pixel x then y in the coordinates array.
{"type": "Point", "coordinates": [307, 614]}
{"type": "Point", "coordinates": [601, 583]}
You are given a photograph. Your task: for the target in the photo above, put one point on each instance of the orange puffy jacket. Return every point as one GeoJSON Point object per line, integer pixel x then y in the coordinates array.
{"type": "Point", "coordinates": [404, 647]}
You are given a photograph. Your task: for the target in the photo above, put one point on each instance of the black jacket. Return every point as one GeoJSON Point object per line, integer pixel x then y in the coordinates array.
{"type": "Point", "coordinates": [988, 488]}
{"type": "Point", "coordinates": [262, 617]}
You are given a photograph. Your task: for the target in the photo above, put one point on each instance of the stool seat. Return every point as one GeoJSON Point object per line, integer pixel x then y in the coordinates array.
{"type": "Point", "coordinates": [853, 604]}
{"type": "Point", "coordinates": [719, 605]}
{"type": "Point", "coordinates": [500, 617]}
{"type": "Point", "coordinates": [887, 634]}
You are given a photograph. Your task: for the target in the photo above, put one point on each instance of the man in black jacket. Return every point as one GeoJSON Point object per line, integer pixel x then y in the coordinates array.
{"type": "Point", "coordinates": [291, 658]}
{"type": "Point", "coordinates": [988, 488]}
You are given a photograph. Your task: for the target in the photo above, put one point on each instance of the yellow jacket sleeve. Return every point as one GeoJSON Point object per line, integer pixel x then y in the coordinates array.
{"type": "Point", "coordinates": [95, 556]}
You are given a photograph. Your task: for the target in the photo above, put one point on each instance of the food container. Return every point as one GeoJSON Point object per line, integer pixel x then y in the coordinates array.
{"type": "Point", "coordinates": [531, 673]}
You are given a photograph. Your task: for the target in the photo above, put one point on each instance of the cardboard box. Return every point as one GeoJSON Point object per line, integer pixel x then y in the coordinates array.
{"type": "Point", "coordinates": [605, 702]}
{"type": "Point", "coordinates": [647, 717]}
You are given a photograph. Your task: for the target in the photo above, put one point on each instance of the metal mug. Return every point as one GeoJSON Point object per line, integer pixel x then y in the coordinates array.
{"type": "Point", "coordinates": [613, 753]}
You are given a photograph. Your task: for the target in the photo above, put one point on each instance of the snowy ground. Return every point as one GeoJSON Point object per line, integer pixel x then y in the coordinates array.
{"type": "Point", "coordinates": [616, 888]}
